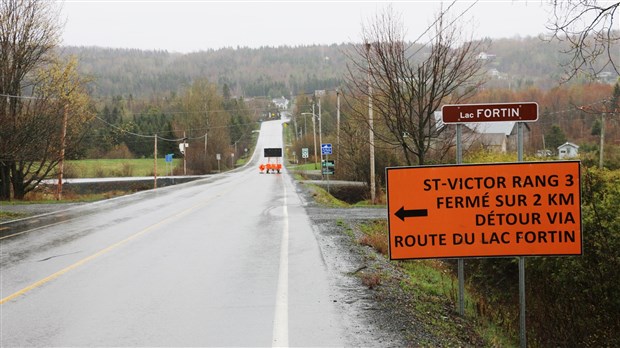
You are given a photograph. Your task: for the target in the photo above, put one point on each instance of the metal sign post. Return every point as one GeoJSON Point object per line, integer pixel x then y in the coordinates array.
{"type": "Point", "coordinates": [460, 262]}
{"type": "Point", "coordinates": [522, 327]}
{"type": "Point", "coordinates": [169, 163]}
{"type": "Point", "coordinates": [326, 149]}
{"type": "Point", "coordinates": [497, 112]}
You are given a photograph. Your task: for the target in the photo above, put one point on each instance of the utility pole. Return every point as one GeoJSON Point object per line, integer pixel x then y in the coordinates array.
{"type": "Point", "coordinates": [295, 125]}
{"type": "Point", "coordinates": [206, 158]}
{"type": "Point", "coordinates": [184, 154]}
{"type": "Point", "coordinates": [372, 134]}
{"type": "Point", "coordinates": [206, 132]}
{"type": "Point", "coordinates": [61, 166]}
{"type": "Point", "coordinates": [600, 160]}
{"type": "Point", "coordinates": [155, 163]}
{"type": "Point", "coordinates": [337, 125]}
{"type": "Point", "coordinates": [321, 137]}
{"type": "Point", "coordinates": [314, 134]}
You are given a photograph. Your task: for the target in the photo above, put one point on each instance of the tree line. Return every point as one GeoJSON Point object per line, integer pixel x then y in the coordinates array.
{"type": "Point", "coordinates": [274, 72]}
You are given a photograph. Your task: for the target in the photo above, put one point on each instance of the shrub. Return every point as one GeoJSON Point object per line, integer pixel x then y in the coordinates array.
{"type": "Point", "coordinates": [571, 301]}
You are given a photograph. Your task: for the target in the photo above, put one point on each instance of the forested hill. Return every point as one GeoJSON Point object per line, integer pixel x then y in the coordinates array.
{"type": "Point", "coordinates": [280, 71]}
{"type": "Point", "coordinates": [248, 72]}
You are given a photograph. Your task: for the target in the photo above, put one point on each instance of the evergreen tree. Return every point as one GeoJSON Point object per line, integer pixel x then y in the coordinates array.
{"type": "Point", "coordinates": [555, 137]}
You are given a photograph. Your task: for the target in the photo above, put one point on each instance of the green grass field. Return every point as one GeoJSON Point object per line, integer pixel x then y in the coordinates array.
{"type": "Point", "coordinates": [307, 166]}
{"type": "Point", "coordinates": [103, 168]}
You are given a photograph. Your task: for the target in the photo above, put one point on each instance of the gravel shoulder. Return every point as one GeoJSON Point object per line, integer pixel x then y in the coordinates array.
{"type": "Point", "coordinates": [384, 315]}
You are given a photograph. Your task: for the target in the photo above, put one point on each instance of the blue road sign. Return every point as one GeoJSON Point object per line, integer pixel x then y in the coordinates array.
{"type": "Point", "coordinates": [169, 157]}
{"type": "Point", "coordinates": [326, 149]}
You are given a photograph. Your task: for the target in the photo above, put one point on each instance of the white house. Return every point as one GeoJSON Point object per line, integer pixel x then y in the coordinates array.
{"type": "Point", "coordinates": [486, 56]}
{"type": "Point", "coordinates": [281, 103]}
{"type": "Point", "coordinates": [498, 136]}
{"type": "Point", "coordinates": [491, 136]}
{"type": "Point", "coordinates": [568, 150]}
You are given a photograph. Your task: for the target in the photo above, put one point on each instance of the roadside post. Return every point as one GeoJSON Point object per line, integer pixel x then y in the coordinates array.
{"type": "Point", "coordinates": [155, 162]}
{"type": "Point", "coordinates": [183, 149]}
{"type": "Point", "coordinates": [326, 149]}
{"type": "Point", "coordinates": [169, 163]}
{"type": "Point", "coordinates": [304, 154]}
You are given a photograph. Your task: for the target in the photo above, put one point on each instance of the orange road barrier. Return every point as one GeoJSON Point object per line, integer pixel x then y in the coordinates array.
{"type": "Point", "coordinates": [270, 167]}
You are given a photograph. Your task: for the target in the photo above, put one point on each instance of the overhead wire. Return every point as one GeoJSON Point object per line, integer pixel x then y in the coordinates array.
{"type": "Point", "coordinates": [18, 96]}
{"type": "Point", "coordinates": [124, 131]}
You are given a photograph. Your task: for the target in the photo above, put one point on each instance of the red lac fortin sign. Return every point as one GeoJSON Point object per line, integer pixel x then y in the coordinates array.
{"type": "Point", "coordinates": [516, 112]}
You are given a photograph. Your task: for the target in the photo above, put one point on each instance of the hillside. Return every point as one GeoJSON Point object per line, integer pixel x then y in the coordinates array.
{"type": "Point", "coordinates": [248, 72]}
{"type": "Point", "coordinates": [278, 71]}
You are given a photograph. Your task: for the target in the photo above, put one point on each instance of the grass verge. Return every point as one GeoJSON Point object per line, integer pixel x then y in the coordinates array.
{"type": "Point", "coordinates": [432, 289]}
{"type": "Point", "coordinates": [104, 168]}
{"type": "Point", "coordinates": [42, 197]}
{"type": "Point", "coordinates": [322, 197]}
{"type": "Point", "coordinates": [9, 215]}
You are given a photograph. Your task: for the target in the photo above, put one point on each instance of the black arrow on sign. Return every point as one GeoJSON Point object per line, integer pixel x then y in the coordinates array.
{"type": "Point", "coordinates": [402, 213]}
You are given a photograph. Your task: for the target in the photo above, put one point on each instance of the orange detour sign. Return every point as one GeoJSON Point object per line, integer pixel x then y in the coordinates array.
{"type": "Point", "coordinates": [486, 210]}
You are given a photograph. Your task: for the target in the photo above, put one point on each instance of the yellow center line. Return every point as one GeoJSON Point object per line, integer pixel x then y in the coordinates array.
{"type": "Point", "coordinates": [102, 252]}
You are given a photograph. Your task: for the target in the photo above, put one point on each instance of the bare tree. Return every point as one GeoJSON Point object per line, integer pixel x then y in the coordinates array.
{"type": "Point", "coordinates": [590, 29]}
{"type": "Point", "coordinates": [206, 123]}
{"type": "Point", "coordinates": [29, 31]}
{"type": "Point", "coordinates": [409, 81]}
{"type": "Point", "coordinates": [50, 125]}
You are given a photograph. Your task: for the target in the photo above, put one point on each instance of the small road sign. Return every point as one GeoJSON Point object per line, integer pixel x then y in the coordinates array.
{"type": "Point", "coordinates": [326, 149]}
{"type": "Point", "coordinates": [169, 157]}
{"type": "Point", "coordinates": [463, 113]}
{"type": "Point", "coordinates": [304, 152]}
{"type": "Point", "coordinates": [485, 210]}
{"type": "Point", "coordinates": [329, 168]}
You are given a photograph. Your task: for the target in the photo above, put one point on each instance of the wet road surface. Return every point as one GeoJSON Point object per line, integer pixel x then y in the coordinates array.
{"type": "Point", "coordinates": [230, 260]}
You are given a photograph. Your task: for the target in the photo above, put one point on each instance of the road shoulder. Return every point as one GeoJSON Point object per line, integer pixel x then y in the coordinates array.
{"type": "Point", "coordinates": [380, 313]}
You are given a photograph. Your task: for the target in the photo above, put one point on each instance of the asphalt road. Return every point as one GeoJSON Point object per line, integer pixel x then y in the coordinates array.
{"type": "Point", "coordinates": [226, 261]}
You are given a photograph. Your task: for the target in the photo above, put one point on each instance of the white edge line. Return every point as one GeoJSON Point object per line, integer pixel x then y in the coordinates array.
{"type": "Point", "coordinates": [280, 324]}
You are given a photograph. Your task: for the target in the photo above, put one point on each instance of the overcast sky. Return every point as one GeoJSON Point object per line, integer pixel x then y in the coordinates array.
{"type": "Point", "coordinates": [189, 26]}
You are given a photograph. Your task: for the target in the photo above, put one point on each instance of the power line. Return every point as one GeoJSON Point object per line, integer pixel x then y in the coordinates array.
{"type": "Point", "coordinates": [124, 131]}
{"type": "Point", "coordinates": [19, 96]}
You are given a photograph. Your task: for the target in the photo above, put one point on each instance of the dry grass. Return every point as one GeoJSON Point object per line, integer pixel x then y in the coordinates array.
{"type": "Point", "coordinates": [371, 279]}
{"type": "Point", "coordinates": [375, 236]}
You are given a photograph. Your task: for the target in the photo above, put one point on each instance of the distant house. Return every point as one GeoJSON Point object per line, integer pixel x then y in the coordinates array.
{"type": "Point", "coordinates": [490, 136]}
{"type": "Point", "coordinates": [494, 73]}
{"type": "Point", "coordinates": [568, 150]}
{"type": "Point", "coordinates": [497, 136]}
{"type": "Point", "coordinates": [281, 103]}
{"type": "Point", "coordinates": [486, 56]}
